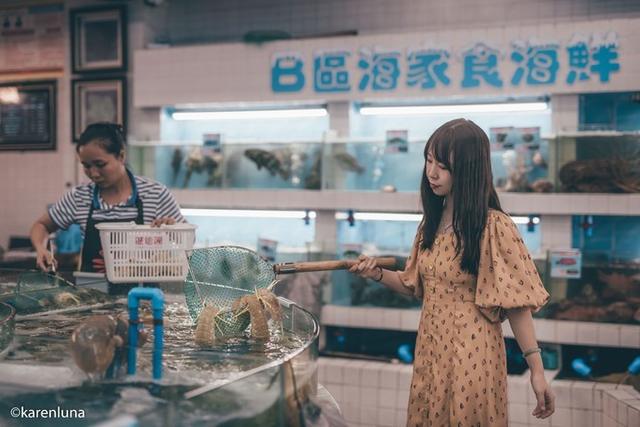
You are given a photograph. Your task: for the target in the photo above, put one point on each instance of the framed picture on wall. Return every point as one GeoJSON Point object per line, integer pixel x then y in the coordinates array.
{"type": "Point", "coordinates": [98, 39]}
{"type": "Point", "coordinates": [97, 100]}
{"type": "Point", "coordinates": [28, 115]}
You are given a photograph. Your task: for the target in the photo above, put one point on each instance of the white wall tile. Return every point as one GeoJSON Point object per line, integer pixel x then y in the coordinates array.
{"type": "Point", "coordinates": [404, 380]}
{"type": "Point", "coordinates": [386, 417]}
{"type": "Point", "coordinates": [389, 374]}
{"type": "Point", "coordinates": [402, 399]}
{"type": "Point", "coordinates": [392, 319]}
{"type": "Point", "coordinates": [410, 320]}
{"type": "Point", "coordinates": [618, 204]}
{"type": "Point", "coordinates": [599, 395]}
{"type": "Point", "coordinates": [369, 415]}
{"type": "Point", "coordinates": [561, 417]}
{"type": "Point", "coordinates": [623, 393]}
{"type": "Point", "coordinates": [609, 406]}
{"type": "Point", "coordinates": [518, 388]}
{"type": "Point", "coordinates": [370, 375]}
{"type": "Point", "coordinates": [352, 374]}
{"type": "Point", "coordinates": [351, 412]}
{"type": "Point", "coordinates": [566, 331]}
{"type": "Point", "coordinates": [518, 412]}
{"type": "Point", "coordinates": [633, 416]}
{"type": "Point", "coordinates": [630, 336]}
{"type": "Point", "coordinates": [387, 398]}
{"type": "Point", "coordinates": [333, 371]}
{"type": "Point", "coordinates": [401, 418]}
{"type": "Point", "coordinates": [582, 395]}
{"type": "Point", "coordinates": [581, 418]}
{"type": "Point", "coordinates": [622, 413]}
{"type": "Point", "coordinates": [587, 333]}
{"type": "Point", "coordinates": [597, 419]}
{"type": "Point", "coordinates": [609, 335]}
{"type": "Point", "coordinates": [351, 395]}
{"type": "Point", "coordinates": [562, 389]}
{"type": "Point", "coordinates": [369, 397]}
{"type": "Point", "coordinates": [545, 330]}
{"type": "Point", "coordinates": [357, 317]}
{"type": "Point", "coordinates": [336, 390]}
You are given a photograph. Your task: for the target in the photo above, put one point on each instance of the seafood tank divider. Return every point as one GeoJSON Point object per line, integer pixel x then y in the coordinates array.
{"type": "Point", "coordinates": [251, 382]}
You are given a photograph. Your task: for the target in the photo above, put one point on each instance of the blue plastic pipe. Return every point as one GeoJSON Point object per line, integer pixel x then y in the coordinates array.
{"type": "Point", "coordinates": [157, 305]}
{"type": "Point", "coordinates": [581, 367]}
{"type": "Point", "coordinates": [634, 366]}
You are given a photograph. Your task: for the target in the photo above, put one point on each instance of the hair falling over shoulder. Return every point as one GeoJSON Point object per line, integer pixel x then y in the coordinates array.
{"type": "Point", "coordinates": [463, 147]}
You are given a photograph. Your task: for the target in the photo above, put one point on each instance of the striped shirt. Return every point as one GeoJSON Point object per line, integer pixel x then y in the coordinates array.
{"type": "Point", "coordinates": [157, 202]}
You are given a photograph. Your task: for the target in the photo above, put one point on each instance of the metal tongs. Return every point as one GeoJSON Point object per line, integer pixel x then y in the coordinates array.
{"type": "Point", "coordinates": [52, 250]}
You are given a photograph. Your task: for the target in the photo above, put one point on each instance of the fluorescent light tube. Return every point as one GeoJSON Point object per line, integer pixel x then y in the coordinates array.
{"type": "Point", "coordinates": [378, 216]}
{"type": "Point", "coordinates": [234, 213]}
{"type": "Point", "coordinates": [249, 114]}
{"type": "Point", "coordinates": [401, 110]}
{"type": "Point", "coordinates": [525, 219]}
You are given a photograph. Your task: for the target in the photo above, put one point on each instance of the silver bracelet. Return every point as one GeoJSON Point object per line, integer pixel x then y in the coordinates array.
{"type": "Point", "coordinates": [529, 352]}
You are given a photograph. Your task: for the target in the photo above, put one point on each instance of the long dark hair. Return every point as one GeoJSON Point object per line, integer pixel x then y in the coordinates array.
{"type": "Point", "coordinates": [463, 147]}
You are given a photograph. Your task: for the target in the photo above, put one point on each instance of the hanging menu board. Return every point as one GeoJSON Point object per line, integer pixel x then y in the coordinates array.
{"type": "Point", "coordinates": [32, 38]}
{"type": "Point", "coordinates": [27, 116]}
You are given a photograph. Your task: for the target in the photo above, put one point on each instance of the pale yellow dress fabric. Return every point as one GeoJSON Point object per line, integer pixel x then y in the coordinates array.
{"type": "Point", "coordinates": [459, 372]}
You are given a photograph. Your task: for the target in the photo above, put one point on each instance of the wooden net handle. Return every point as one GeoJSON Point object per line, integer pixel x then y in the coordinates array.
{"type": "Point", "coordinates": [302, 267]}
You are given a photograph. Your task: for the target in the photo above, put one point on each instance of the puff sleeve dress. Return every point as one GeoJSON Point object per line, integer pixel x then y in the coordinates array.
{"type": "Point", "coordinates": [459, 372]}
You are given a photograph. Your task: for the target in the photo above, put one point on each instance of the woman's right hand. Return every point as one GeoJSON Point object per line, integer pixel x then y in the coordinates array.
{"type": "Point", "coordinates": [367, 267]}
{"type": "Point", "coordinates": [45, 260]}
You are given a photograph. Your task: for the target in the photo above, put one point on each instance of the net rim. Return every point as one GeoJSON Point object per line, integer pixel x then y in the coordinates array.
{"type": "Point", "coordinates": [12, 313]}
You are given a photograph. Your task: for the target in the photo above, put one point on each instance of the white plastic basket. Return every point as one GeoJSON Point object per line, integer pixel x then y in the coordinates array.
{"type": "Point", "coordinates": [141, 253]}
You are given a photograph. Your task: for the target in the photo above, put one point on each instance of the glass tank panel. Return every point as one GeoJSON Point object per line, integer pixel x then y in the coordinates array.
{"type": "Point", "coordinates": [293, 236]}
{"type": "Point", "coordinates": [519, 160]}
{"type": "Point", "coordinates": [390, 238]}
{"type": "Point", "coordinates": [598, 163]}
{"type": "Point", "coordinates": [608, 289]}
{"type": "Point", "coordinates": [273, 165]}
{"type": "Point", "coordinates": [610, 111]}
{"type": "Point", "coordinates": [255, 166]}
{"type": "Point", "coordinates": [369, 166]}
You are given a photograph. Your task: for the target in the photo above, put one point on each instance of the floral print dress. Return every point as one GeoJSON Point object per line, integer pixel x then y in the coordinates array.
{"type": "Point", "coordinates": [459, 373]}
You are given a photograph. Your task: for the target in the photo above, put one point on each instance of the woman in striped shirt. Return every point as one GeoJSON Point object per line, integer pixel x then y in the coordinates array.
{"type": "Point", "coordinates": [114, 195]}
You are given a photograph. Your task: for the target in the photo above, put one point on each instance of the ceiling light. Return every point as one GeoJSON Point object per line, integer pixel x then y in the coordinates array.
{"type": "Point", "coordinates": [249, 114]}
{"type": "Point", "coordinates": [233, 213]}
{"type": "Point", "coordinates": [377, 216]}
{"type": "Point", "coordinates": [401, 110]}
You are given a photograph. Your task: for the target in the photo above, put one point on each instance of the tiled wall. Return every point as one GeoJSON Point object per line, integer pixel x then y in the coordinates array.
{"type": "Point", "coordinates": [375, 394]}
{"type": "Point", "coordinates": [224, 20]}
{"type": "Point", "coordinates": [547, 330]}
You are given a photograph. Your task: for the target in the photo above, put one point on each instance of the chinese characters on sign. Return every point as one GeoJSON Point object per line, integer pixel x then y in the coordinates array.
{"type": "Point", "coordinates": [592, 58]}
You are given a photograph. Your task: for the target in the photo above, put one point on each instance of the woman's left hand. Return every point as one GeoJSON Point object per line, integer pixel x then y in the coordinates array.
{"type": "Point", "coordinates": [546, 400]}
{"type": "Point", "coordinates": [164, 220]}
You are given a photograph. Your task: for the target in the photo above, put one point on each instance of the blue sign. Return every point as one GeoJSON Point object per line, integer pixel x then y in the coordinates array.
{"type": "Point", "coordinates": [590, 58]}
{"type": "Point", "coordinates": [287, 74]}
{"type": "Point", "coordinates": [380, 71]}
{"type": "Point", "coordinates": [538, 63]}
{"type": "Point", "coordinates": [427, 68]}
{"type": "Point", "coordinates": [481, 65]}
{"type": "Point", "coordinates": [330, 72]}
